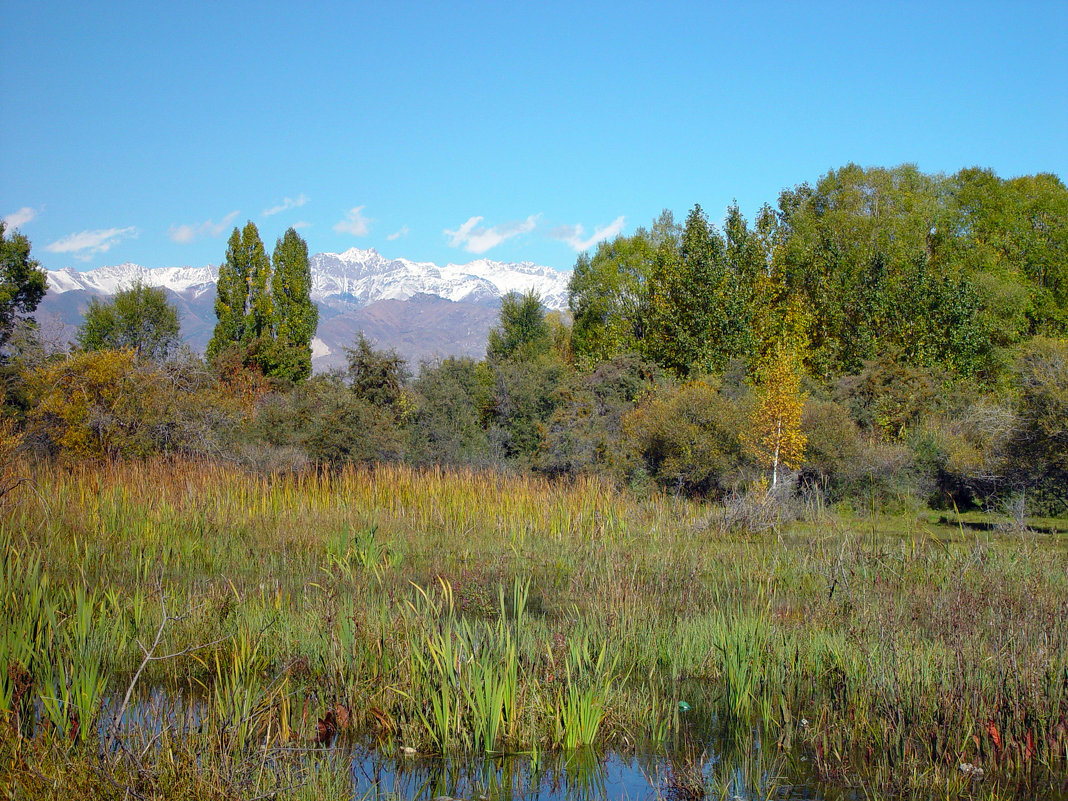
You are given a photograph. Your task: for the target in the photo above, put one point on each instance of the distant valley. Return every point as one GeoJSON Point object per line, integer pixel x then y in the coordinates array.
{"type": "Point", "coordinates": [422, 310]}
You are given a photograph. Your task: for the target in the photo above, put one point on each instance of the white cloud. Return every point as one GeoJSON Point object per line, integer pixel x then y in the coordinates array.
{"type": "Point", "coordinates": [86, 244]}
{"type": "Point", "coordinates": [354, 223]}
{"type": "Point", "coordinates": [184, 234]}
{"type": "Point", "coordinates": [20, 217]}
{"type": "Point", "coordinates": [287, 204]}
{"type": "Point", "coordinates": [301, 224]}
{"type": "Point", "coordinates": [404, 231]}
{"type": "Point", "coordinates": [572, 234]}
{"type": "Point", "coordinates": [474, 239]}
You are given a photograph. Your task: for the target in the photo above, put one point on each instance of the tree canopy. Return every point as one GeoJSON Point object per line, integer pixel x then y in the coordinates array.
{"type": "Point", "coordinates": [265, 310]}
{"type": "Point", "coordinates": [523, 332]}
{"type": "Point", "coordinates": [139, 318]}
{"type": "Point", "coordinates": [943, 272]}
{"type": "Point", "coordinates": [22, 281]}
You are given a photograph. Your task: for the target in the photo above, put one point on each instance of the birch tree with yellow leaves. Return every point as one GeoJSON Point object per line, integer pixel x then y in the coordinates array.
{"type": "Point", "coordinates": [775, 437]}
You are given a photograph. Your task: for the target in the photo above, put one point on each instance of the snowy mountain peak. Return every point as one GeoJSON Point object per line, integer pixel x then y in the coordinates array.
{"type": "Point", "coordinates": [358, 255]}
{"type": "Point", "coordinates": [111, 279]}
{"type": "Point", "coordinates": [355, 276]}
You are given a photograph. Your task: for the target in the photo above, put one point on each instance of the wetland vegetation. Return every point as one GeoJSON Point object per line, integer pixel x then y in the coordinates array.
{"type": "Point", "coordinates": [771, 514]}
{"type": "Point", "coordinates": [470, 613]}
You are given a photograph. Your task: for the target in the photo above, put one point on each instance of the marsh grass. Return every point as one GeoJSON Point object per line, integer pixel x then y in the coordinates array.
{"type": "Point", "coordinates": [467, 612]}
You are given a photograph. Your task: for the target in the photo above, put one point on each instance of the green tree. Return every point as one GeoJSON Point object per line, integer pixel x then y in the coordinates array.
{"type": "Point", "coordinates": [242, 303]}
{"type": "Point", "coordinates": [698, 318]}
{"type": "Point", "coordinates": [378, 376]}
{"type": "Point", "coordinates": [266, 319]}
{"type": "Point", "coordinates": [297, 316]}
{"type": "Point", "coordinates": [608, 298]}
{"type": "Point", "coordinates": [22, 281]}
{"type": "Point", "coordinates": [1014, 234]}
{"type": "Point", "coordinates": [139, 318]}
{"type": "Point", "coordinates": [523, 332]}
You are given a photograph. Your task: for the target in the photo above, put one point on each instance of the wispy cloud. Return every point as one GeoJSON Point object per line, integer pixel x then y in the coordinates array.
{"type": "Point", "coordinates": [404, 231]}
{"type": "Point", "coordinates": [354, 223]}
{"type": "Point", "coordinates": [287, 204]}
{"type": "Point", "coordinates": [184, 234]}
{"type": "Point", "coordinates": [20, 217]}
{"type": "Point", "coordinates": [475, 239]}
{"type": "Point", "coordinates": [85, 245]}
{"type": "Point", "coordinates": [301, 224]}
{"type": "Point", "coordinates": [572, 234]}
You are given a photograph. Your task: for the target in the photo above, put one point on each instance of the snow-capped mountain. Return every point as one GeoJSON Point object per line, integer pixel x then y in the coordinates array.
{"type": "Point", "coordinates": [360, 276]}
{"type": "Point", "coordinates": [368, 276]}
{"type": "Point", "coordinates": [419, 308]}
{"type": "Point", "coordinates": [109, 280]}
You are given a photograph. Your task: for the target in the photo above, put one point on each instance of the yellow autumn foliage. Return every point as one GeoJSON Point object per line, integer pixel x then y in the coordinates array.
{"type": "Point", "coordinates": [110, 404]}
{"type": "Point", "coordinates": [774, 437]}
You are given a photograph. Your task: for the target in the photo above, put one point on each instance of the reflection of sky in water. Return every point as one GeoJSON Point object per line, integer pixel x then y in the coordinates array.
{"type": "Point", "coordinates": [582, 775]}
{"type": "Point", "coordinates": [701, 761]}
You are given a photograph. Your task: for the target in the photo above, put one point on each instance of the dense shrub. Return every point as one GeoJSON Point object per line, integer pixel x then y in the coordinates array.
{"type": "Point", "coordinates": [446, 426]}
{"type": "Point", "coordinates": [586, 429]}
{"type": "Point", "coordinates": [109, 404]}
{"type": "Point", "coordinates": [889, 397]}
{"type": "Point", "coordinates": [1038, 449]}
{"type": "Point", "coordinates": [330, 423]}
{"type": "Point", "coordinates": [687, 439]}
{"type": "Point", "coordinates": [521, 399]}
{"type": "Point", "coordinates": [834, 443]}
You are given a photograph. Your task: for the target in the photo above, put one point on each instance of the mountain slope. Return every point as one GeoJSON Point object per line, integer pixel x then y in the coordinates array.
{"type": "Point", "coordinates": [419, 308]}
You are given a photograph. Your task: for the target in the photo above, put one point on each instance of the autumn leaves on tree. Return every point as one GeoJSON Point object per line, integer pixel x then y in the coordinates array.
{"type": "Point", "coordinates": [266, 318]}
{"type": "Point", "coordinates": [774, 437]}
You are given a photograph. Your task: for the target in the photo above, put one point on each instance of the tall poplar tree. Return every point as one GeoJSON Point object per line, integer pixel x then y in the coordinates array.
{"type": "Point", "coordinates": [295, 314]}
{"type": "Point", "coordinates": [260, 316]}
{"type": "Point", "coordinates": [243, 302]}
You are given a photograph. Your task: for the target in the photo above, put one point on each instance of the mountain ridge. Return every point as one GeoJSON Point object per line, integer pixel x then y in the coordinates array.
{"type": "Point", "coordinates": [421, 309]}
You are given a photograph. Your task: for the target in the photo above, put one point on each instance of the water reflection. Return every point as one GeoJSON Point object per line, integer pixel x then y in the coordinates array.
{"type": "Point", "coordinates": [579, 775]}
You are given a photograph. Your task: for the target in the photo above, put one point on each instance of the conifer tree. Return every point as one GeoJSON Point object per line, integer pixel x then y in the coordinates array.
{"type": "Point", "coordinates": [296, 315]}
{"type": "Point", "coordinates": [697, 319]}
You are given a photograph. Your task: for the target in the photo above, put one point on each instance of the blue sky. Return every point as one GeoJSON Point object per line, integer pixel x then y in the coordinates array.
{"type": "Point", "coordinates": [520, 132]}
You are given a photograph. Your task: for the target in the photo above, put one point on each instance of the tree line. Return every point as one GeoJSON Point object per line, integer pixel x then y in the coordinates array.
{"type": "Point", "coordinates": [883, 336]}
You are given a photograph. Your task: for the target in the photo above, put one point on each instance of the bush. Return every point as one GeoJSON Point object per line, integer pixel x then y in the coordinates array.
{"type": "Point", "coordinates": [328, 422]}
{"type": "Point", "coordinates": [108, 404]}
{"type": "Point", "coordinates": [584, 433]}
{"type": "Point", "coordinates": [889, 397]}
{"type": "Point", "coordinates": [885, 475]}
{"type": "Point", "coordinates": [833, 446]}
{"type": "Point", "coordinates": [1038, 450]}
{"type": "Point", "coordinates": [521, 399]}
{"type": "Point", "coordinates": [687, 439]}
{"type": "Point", "coordinates": [446, 427]}
{"type": "Point", "coordinates": [759, 507]}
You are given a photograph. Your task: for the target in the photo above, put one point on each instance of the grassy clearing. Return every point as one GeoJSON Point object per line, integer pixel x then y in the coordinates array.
{"type": "Point", "coordinates": [466, 612]}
